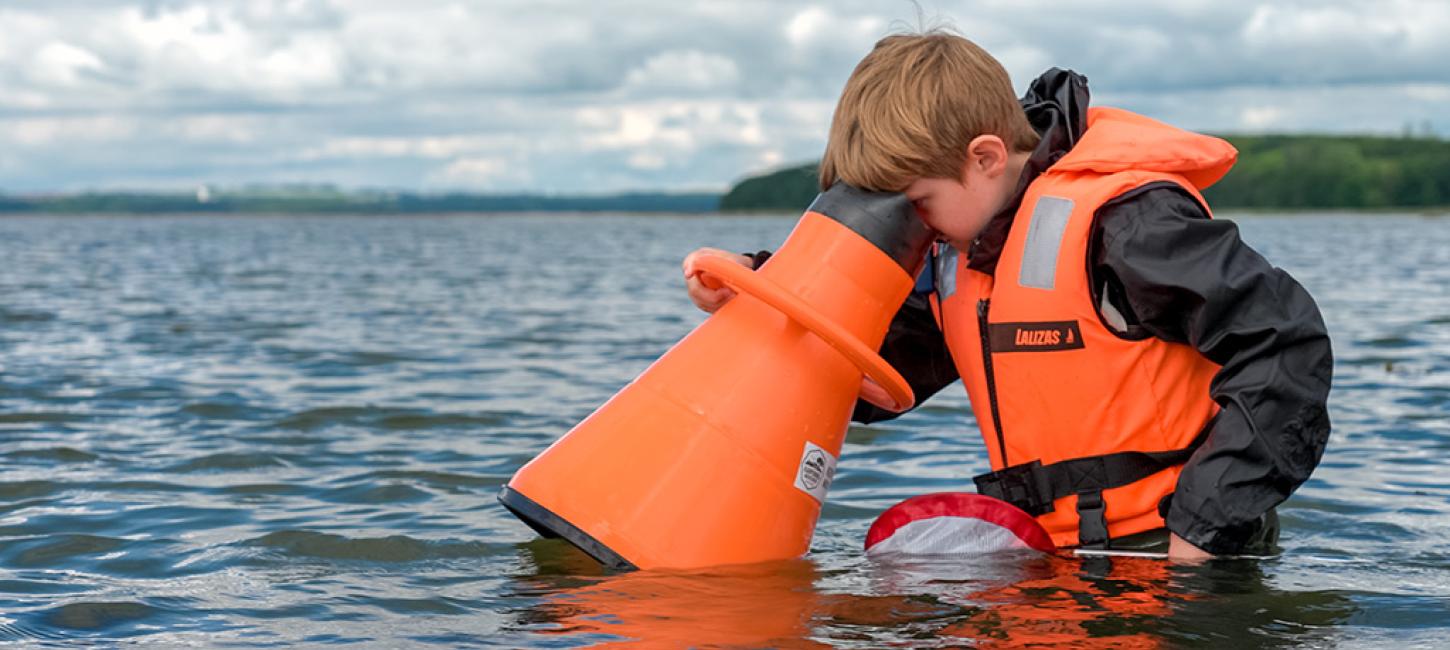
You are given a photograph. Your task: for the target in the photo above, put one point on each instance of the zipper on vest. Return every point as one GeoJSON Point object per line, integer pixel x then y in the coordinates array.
{"type": "Point", "coordinates": [982, 307]}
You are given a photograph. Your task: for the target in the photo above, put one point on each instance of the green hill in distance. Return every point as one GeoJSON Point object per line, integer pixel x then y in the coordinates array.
{"type": "Point", "coordinates": [1274, 172]}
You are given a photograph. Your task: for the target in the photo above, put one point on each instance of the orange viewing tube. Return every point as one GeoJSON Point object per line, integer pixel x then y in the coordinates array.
{"type": "Point", "coordinates": [723, 450]}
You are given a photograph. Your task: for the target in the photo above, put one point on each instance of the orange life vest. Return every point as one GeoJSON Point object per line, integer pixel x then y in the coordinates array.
{"type": "Point", "coordinates": [1050, 383]}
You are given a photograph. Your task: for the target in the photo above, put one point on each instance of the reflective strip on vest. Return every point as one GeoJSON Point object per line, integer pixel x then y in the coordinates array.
{"type": "Point", "coordinates": [1044, 239]}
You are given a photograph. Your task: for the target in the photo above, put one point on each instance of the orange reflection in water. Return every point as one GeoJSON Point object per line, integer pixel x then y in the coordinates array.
{"type": "Point", "coordinates": [1091, 603]}
{"type": "Point", "coordinates": [1008, 601]}
{"type": "Point", "coordinates": [759, 605]}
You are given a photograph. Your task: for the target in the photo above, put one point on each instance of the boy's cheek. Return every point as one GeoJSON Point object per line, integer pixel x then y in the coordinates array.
{"type": "Point", "coordinates": [948, 228]}
{"type": "Point", "coordinates": [930, 220]}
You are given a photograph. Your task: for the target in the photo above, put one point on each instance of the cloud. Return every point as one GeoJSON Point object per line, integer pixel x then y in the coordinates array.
{"type": "Point", "coordinates": [547, 95]}
{"type": "Point", "coordinates": [48, 132]}
{"type": "Point", "coordinates": [690, 71]}
{"type": "Point", "coordinates": [63, 64]}
{"type": "Point", "coordinates": [1344, 108]}
{"type": "Point", "coordinates": [481, 172]}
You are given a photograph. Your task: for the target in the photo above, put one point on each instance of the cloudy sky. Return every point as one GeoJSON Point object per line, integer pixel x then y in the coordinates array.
{"type": "Point", "coordinates": [609, 95]}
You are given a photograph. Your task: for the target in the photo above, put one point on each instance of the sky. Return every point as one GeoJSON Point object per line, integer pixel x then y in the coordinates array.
{"type": "Point", "coordinates": [604, 96]}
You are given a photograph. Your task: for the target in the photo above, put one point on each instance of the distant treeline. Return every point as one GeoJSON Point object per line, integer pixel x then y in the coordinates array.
{"type": "Point", "coordinates": [1280, 171]}
{"type": "Point", "coordinates": [1273, 172]}
{"type": "Point", "coordinates": [329, 201]}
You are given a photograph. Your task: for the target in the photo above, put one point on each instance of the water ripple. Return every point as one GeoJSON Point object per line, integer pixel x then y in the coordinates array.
{"type": "Point", "coordinates": [390, 549]}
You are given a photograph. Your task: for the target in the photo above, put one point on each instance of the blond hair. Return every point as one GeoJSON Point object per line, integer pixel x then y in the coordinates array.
{"type": "Point", "coordinates": [913, 105]}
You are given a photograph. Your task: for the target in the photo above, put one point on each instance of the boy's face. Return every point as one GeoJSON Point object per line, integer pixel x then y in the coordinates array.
{"type": "Point", "coordinates": [958, 209]}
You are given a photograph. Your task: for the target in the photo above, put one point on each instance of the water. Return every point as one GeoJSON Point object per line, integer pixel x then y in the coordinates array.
{"type": "Point", "coordinates": [259, 431]}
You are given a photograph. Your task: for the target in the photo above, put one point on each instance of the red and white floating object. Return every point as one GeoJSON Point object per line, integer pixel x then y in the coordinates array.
{"type": "Point", "coordinates": [955, 523]}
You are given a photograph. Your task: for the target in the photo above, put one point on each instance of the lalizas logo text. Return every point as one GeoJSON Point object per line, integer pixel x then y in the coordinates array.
{"type": "Point", "coordinates": [1035, 337]}
{"type": "Point", "coordinates": [1041, 337]}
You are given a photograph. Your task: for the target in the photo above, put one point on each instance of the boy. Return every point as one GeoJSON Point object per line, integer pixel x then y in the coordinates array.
{"type": "Point", "coordinates": [1133, 365]}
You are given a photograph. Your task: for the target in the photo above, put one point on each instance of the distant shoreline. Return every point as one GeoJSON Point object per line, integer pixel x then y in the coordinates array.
{"type": "Point", "coordinates": [1274, 173]}
{"type": "Point", "coordinates": [653, 205]}
{"type": "Point", "coordinates": [324, 200]}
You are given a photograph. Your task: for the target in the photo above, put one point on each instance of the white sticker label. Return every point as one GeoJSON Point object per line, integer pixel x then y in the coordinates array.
{"type": "Point", "coordinates": [817, 469]}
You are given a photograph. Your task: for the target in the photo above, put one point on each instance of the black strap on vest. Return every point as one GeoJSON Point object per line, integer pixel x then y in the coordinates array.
{"type": "Point", "coordinates": [1034, 486]}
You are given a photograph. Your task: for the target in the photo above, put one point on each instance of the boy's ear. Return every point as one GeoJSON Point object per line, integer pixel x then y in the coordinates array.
{"type": "Point", "coordinates": [987, 156]}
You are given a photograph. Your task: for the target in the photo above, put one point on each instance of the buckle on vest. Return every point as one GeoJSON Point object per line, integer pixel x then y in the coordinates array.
{"type": "Point", "coordinates": [1025, 486]}
{"type": "Point", "coordinates": [1092, 519]}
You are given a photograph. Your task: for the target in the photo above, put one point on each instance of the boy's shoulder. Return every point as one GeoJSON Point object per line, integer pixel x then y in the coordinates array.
{"type": "Point", "coordinates": [1157, 255]}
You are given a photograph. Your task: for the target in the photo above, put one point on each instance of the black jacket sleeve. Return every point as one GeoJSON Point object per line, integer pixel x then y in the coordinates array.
{"type": "Point", "coordinates": [916, 348]}
{"type": "Point", "coordinates": [1182, 277]}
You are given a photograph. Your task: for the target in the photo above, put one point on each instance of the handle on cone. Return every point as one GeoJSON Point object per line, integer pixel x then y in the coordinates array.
{"type": "Point", "coordinates": [715, 271]}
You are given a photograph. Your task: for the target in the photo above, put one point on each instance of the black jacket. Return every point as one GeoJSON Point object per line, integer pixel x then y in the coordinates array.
{"type": "Point", "coordinates": [1173, 273]}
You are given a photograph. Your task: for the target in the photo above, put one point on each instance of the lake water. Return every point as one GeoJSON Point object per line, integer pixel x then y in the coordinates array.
{"type": "Point", "coordinates": [265, 431]}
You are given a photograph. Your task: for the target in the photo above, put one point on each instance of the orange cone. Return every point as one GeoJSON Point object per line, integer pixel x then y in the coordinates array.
{"type": "Point", "coordinates": [721, 452]}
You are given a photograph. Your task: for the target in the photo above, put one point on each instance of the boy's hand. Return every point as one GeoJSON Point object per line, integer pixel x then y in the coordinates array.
{"type": "Point", "coordinates": [704, 297]}
{"type": "Point", "coordinates": [1180, 550]}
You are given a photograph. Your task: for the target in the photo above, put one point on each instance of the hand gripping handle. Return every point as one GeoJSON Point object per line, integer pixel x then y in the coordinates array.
{"type": "Point", "coordinates": [890, 392]}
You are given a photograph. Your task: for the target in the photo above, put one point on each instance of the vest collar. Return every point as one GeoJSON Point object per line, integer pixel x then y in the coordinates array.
{"type": "Point", "coordinates": [1117, 140]}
